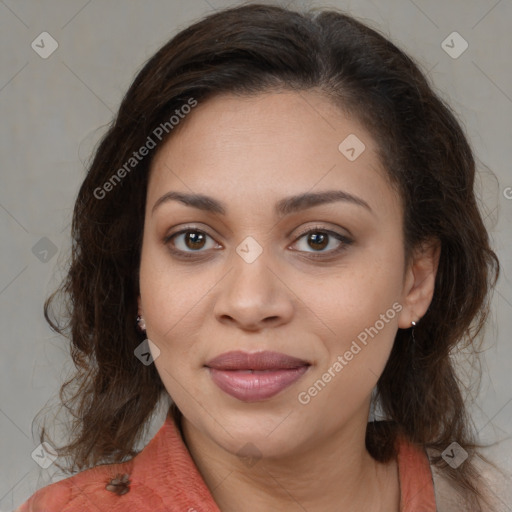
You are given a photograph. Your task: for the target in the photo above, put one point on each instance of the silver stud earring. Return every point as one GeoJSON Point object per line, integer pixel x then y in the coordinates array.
{"type": "Point", "coordinates": [141, 324]}
{"type": "Point", "coordinates": [413, 323]}
{"type": "Point", "coordinates": [413, 347]}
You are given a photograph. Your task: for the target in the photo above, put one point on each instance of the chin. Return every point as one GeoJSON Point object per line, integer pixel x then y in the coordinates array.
{"type": "Point", "coordinates": [270, 434]}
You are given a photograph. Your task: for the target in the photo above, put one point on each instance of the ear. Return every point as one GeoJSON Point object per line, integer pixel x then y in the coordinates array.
{"type": "Point", "coordinates": [140, 312]}
{"type": "Point", "coordinates": [419, 282]}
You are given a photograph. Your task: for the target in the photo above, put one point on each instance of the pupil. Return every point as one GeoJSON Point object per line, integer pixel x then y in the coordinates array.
{"type": "Point", "coordinates": [323, 239]}
{"type": "Point", "coordinates": [195, 239]}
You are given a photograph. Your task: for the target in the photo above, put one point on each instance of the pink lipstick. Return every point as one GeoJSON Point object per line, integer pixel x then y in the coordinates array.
{"type": "Point", "coordinates": [252, 377]}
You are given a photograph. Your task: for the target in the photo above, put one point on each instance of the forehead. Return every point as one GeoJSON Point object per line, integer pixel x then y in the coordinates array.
{"type": "Point", "coordinates": [268, 146]}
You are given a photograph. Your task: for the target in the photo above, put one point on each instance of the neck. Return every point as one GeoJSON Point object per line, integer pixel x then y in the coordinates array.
{"type": "Point", "coordinates": [333, 474]}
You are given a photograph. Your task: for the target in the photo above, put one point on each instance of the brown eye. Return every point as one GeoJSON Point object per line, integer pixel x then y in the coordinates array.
{"type": "Point", "coordinates": [317, 239]}
{"type": "Point", "coordinates": [194, 239]}
{"type": "Point", "coordinates": [190, 241]}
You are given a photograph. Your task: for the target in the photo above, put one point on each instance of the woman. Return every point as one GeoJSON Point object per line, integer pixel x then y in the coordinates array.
{"type": "Point", "coordinates": [287, 209]}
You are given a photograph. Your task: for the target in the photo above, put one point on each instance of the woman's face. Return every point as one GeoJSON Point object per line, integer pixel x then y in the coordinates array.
{"type": "Point", "coordinates": [244, 275]}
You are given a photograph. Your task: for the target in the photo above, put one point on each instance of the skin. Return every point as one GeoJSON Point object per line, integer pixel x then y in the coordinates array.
{"type": "Point", "coordinates": [250, 152]}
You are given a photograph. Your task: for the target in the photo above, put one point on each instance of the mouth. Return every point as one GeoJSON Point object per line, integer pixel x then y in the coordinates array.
{"type": "Point", "coordinates": [253, 377]}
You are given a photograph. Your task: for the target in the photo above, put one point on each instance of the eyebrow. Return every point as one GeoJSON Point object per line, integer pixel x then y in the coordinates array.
{"type": "Point", "coordinates": [283, 207]}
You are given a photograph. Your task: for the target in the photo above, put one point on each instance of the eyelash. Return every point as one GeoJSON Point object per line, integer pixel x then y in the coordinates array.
{"type": "Point", "coordinates": [345, 242]}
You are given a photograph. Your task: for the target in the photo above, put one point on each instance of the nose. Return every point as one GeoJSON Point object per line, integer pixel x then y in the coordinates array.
{"type": "Point", "coordinates": [253, 297]}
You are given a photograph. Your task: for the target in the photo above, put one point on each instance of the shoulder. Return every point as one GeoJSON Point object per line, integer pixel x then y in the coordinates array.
{"type": "Point", "coordinates": [89, 488]}
{"type": "Point", "coordinates": [77, 492]}
{"type": "Point", "coordinates": [494, 487]}
{"type": "Point", "coordinates": [159, 478]}
{"type": "Point", "coordinates": [496, 483]}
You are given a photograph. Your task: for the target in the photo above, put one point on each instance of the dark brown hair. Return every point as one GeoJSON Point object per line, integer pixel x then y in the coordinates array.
{"type": "Point", "coordinates": [248, 50]}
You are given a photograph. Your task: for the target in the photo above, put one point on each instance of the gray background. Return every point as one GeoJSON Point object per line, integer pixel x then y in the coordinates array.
{"type": "Point", "coordinates": [54, 111]}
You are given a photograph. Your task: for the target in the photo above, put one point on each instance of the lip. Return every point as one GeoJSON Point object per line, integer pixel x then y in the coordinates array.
{"type": "Point", "coordinates": [252, 377]}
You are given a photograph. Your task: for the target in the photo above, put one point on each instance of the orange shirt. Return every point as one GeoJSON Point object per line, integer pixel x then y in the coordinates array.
{"type": "Point", "coordinates": [163, 477]}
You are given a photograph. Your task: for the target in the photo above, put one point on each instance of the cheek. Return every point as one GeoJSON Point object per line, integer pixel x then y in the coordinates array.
{"type": "Point", "coordinates": [356, 295]}
{"type": "Point", "coordinates": [360, 304]}
{"type": "Point", "coordinates": [171, 299]}
{"type": "Point", "coordinates": [364, 322]}
{"type": "Point", "coordinates": [170, 293]}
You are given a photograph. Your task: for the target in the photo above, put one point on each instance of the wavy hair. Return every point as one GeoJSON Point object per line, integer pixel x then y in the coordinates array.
{"type": "Point", "coordinates": [247, 50]}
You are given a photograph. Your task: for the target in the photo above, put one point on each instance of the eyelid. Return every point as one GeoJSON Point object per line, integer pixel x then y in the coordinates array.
{"type": "Point", "coordinates": [344, 240]}
{"type": "Point", "coordinates": [184, 230]}
{"type": "Point", "coordinates": [323, 229]}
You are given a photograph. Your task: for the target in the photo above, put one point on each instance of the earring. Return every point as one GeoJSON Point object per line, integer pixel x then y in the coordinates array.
{"type": "Point", "coordinates": [141, 324]}
{"type": "Point", "coordinates": [413, 323]}
{"type": "Point", "coordinates": [413, 348]}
